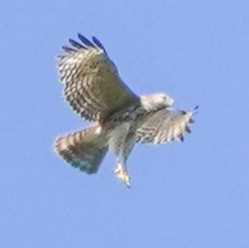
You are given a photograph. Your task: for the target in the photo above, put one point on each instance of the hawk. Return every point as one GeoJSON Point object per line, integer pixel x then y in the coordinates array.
{"type": "Point", "coordinates": [93, 88]}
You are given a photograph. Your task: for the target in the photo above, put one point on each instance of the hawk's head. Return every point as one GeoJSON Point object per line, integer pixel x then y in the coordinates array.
{"type": "Point", "coordinates": [156, 101]}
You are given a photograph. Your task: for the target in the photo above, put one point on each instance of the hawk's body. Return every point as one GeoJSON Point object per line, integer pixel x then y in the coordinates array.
{"type": "Point", "coordinates": [95, 91]}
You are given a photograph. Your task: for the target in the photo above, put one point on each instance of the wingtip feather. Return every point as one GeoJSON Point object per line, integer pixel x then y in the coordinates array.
{"type": "Point", "coordinates": [85, 40]}
{"type": "Point", "coordinates": [98, 43]}
{"type": "Point", "coordinates": [76, 44]}
{"type": "Point", "coordinates": [68, 49]}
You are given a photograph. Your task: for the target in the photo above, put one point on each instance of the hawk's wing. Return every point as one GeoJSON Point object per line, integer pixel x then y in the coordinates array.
{"type": "Point", "coordinates": [92, 85]}
{"type": "Point", "coordinates": [164, 126]}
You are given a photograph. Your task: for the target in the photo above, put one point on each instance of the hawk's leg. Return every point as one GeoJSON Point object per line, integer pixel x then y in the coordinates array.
{"type": "Point", "coordinates": [122, 174]}
{"type": "Point", "coordinates": [121, 171]}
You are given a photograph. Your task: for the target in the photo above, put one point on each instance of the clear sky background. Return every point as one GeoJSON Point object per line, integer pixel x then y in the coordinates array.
{"type": "Point", "coordinates": [192, 194]}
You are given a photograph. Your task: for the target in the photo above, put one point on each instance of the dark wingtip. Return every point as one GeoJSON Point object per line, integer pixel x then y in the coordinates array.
{"type": "Point", "coordinates": [98, 43]}
{"type": "Point", "coordinates": [68, 49]}
{"type": "Point", "coordinates": [191, 120]}
{"type": "Point", "coordinates": [85, 40]}
{"type": "Point", "coordinates": [187, 129]}
{"type": "Point", "coordinates": [196, 108]}
{"type": "Point", "coordinates": [181, 138]}
{"type": "Point", "coordinates": [76, 44]}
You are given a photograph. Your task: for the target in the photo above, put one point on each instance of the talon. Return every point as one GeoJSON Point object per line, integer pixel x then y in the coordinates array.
{"type": "Point", "coordinates": [122, 175]}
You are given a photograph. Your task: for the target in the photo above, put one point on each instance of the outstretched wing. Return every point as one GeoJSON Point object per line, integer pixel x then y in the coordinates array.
{"type": "Point", "coordinates": [164, 126]}
{"type": "Point", "coordinates": [92, 85]}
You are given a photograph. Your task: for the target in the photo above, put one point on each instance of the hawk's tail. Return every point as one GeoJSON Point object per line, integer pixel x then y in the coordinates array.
{"type": "Point", "coordinates": [83, 149]}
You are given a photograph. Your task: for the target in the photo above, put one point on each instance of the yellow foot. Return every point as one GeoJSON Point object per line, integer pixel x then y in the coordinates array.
{"type": "Point", "coordinates": [122, 175]}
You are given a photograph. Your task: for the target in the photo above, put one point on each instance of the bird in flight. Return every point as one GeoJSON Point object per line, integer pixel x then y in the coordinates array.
{"type": "Point", "coordinates": [93, 88]}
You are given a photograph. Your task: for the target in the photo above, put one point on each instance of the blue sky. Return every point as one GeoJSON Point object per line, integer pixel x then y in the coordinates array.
{"type": "Point", "coordinates": [191, 194]}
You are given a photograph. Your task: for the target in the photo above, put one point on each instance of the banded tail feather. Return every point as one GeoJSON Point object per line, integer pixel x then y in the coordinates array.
{"type": "Point", "coordinates": [84, 149]}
